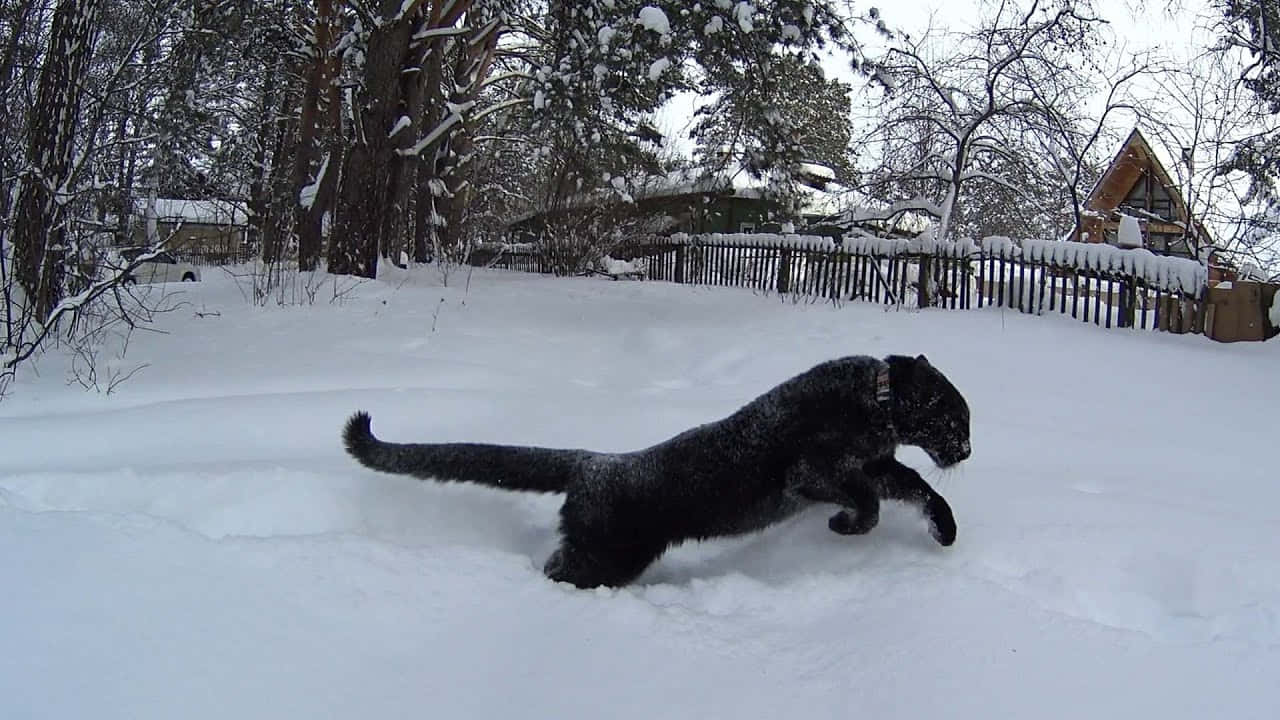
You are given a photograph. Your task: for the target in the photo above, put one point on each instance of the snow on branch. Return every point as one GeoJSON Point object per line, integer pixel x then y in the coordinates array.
{"type": "Point", "coordinates": [455, 117]}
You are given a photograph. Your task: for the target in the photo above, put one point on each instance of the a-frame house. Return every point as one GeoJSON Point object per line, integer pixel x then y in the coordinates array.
{"type": "Point", "coordinates": [1136, 184]}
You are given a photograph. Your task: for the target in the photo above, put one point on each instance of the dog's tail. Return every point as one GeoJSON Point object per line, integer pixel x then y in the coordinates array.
{"type": "Point", "coordinates": [501, 466]}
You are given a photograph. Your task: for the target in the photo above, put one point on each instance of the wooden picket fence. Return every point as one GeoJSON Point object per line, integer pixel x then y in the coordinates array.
{"type": "Point", "coordinates": [957, 277]}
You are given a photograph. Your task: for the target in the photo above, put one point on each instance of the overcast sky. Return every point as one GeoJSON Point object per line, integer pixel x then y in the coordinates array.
{"type": "Point", "coordinates": [1166, 24]}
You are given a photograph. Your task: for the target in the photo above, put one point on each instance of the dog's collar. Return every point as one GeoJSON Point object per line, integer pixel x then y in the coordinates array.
{"type": "Point", "coordinates": [883, 389]}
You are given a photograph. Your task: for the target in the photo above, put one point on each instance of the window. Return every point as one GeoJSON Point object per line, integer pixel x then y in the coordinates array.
{"type": "Point", "coordinates": [1137, 197]}
{"type": "Point", "coordinates": [1163, 207]}
{"type": "Point", "coordinates": [747, 227]}
{"type": "Point", "coordinates": [1149, 195]}
{"type": "Point", "coordinates": [1178, 244]}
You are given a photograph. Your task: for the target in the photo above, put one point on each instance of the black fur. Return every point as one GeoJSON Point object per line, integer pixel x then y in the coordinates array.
{"type": "Point", "coordinates": [822, 436]}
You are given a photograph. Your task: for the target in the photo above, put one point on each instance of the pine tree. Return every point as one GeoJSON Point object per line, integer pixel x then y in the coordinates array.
{"type": "Point", "coordinates": [614, 62]}
{"type": "Point", "coordinates": [1253, 26]}
{"type": "Point", "coordinates": [773, 117]}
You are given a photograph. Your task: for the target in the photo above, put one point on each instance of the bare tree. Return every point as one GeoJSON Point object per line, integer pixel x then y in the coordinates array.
{"type": "Point", "coordinates": [1090, 108]}
{"type": "Point", "coordinates": [1210, 119]}
{"type": "Point", "coordinates": [962, 109]}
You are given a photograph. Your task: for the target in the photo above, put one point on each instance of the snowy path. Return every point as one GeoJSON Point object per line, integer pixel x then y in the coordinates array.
{"type": "Point", "coordinates": [197, 545]}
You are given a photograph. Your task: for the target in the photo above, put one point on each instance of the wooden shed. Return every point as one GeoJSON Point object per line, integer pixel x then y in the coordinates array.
{"type": "Point", "coordinates": [215, 229]}
{"type": "Point", "coordinates": [1136, 184]}
{"type": "Point", "coordinates": [681, 202]}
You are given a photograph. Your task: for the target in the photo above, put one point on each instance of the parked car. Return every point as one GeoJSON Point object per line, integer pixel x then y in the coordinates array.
{"type": "Point", "coordinates": [162, 268]}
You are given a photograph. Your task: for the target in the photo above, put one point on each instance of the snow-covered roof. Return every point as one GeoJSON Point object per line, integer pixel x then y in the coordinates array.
{"type": "Point", "coordinates": [672, 184]}
{"type": "Point", "coordinates": [732, 180]}
{"type": "Point", "coordinates": [1133, 158]}
{"type": "Point", "coordinates": [202, 212]}
{"type": "Point", "coordinates": [818, 171]}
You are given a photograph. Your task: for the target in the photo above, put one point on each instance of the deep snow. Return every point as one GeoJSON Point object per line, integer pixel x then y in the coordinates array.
{"type": "Point", "coordinates": [197, 545]}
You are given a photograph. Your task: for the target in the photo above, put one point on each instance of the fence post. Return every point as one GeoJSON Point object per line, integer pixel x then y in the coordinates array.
{"type": "Point", "coordinates": [679, 275]}
{"type": "Point", "coordinates": [784, 272]}
{"type": "Point", "coordinates": [923, 296]}
{"type": "Point", "coordinates": [1128, 303]}
{"type": "Point", "coordinates": [1195, 313]}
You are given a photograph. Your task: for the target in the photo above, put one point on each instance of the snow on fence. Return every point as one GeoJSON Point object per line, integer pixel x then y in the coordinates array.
{"type": "Point", "coordinates": [1092, 282]}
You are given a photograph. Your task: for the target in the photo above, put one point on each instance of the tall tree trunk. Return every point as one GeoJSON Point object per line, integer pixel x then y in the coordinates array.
{"type": "Point", "coordinates": [18, 20]}
{"type": "Point", "coordinates": [124, 205]}
{"type": "Point", "coordinates": [377, 172]}
{"type": "Point", "coordinates": [259, 189]}
{"type": "Point", "coordinates": [40, 227]}
{"type": "Point", "coordinates": [472, 67]}
{"type": "Point", "coordinates": [427, 219]}
{"type": "Point", "coordinates": [278, 224]}
{"type": "Point", "coordinates": [404, 171]}
{"type": "Point", "coordinates": [365, 199]}
{"type": "Point", "coordinates": [315, 173]}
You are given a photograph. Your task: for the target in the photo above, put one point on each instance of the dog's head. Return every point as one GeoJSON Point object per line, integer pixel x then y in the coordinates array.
{"type": "Point", "coordinates": [928, 410]}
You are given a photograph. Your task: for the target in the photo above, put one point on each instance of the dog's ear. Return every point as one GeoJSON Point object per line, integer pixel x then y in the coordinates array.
{"type": "Point", "coordinates": [922, 359]}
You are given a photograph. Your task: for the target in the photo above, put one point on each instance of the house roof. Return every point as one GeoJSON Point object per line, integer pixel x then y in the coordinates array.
{"type": "Point", "coordinates": [734, 182]}
{"type": "Point", "coordinates": [200, 212]}
{"type": "Point", "coordinates": [1134, 158]}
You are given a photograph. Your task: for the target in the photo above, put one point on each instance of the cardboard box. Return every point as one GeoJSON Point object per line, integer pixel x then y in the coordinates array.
{"type": "Point", "coordinates": [1235, 312]}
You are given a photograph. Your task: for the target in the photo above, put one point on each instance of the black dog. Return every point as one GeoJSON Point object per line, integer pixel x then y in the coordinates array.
{"type": "Point", "coordinates": [827, 435]}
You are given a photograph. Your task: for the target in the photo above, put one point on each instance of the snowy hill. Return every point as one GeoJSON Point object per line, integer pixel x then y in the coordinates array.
{"type": "Point", "coordinates": [197, 545]}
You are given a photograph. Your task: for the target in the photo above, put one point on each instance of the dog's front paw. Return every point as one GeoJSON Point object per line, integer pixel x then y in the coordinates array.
{"type": "Point", "coordinates": [942, 524]}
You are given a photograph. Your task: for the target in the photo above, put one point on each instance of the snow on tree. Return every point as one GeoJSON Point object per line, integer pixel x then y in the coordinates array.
{"type": "Point", "coordinates": [40, 230]}
{"type": "Point", "coordinates": [612, 63]}
{"type": "Point", "coordinates": [1251, 42]}
{"type": "Point", "coordinates": [778, 118]}
{"type": "Point", "coordinates": [1253, 26]}
{"type": "Point", "coordinates": [960, 111]}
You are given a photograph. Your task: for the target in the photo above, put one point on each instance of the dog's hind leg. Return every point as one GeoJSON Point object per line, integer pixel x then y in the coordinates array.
{"type": "Point", "coordinates": [588, 565]}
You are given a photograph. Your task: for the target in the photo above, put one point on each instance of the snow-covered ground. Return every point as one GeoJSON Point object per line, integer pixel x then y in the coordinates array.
{"type": "Point", "coordinates": [197, 545]}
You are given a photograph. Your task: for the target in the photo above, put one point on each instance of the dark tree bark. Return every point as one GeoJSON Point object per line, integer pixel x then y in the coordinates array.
{"type": "Point", "coordinates": [378, 171]}
{"type": "Point", "coordinates": [259, 188]}
{"type": "Point", "coordinates": [318, 127]}
{"type": "Point", "coordinates": [472, 67]}
{"type": "Point", "coordinates": [20, 16]}
{"type": "Point", "coordinates": [40, 228]}
{"type": "Point", "coordinates": [445, 170]}
{"type": "Point", "coordinates": [278, 221]}
{"type": "Point", "coordinates": [366, 200]}
{"type": "Point", "coordinates": [426, 217]}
